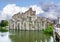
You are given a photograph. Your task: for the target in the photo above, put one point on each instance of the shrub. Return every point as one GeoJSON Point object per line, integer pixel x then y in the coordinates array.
{"type": "Point", "coordinates": [49, 30]}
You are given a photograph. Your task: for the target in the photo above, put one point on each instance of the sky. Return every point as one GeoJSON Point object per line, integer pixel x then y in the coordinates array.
{"type": "Point", "coordinates": [24, 3]}
{"type": "Point", "coordinates": [10, 7]}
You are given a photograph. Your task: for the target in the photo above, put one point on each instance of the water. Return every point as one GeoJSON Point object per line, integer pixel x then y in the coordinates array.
{"type": "Point", "coordinates": [25, 36]}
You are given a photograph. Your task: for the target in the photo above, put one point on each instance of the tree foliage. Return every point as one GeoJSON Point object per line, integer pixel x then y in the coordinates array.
{"type": "Point", "coordinates": [4, 23]}
{"type": "Point", "coordinates": [49, 30]}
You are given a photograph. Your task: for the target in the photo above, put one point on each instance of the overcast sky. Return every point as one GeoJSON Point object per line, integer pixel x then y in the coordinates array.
{"type": "Point", "coordinates": [9, 7]}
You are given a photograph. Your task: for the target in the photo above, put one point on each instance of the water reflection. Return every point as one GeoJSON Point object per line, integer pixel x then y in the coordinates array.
{"type": "Point", "coordinates": [25, 36]}
{"type": "Point", "coordinates": [4, 37]}
{"type": "Point", "coordinates": [30, 36]}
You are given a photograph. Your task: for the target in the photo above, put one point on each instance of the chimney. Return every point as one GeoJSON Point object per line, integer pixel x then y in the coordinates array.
{"type": "Point", "coordinates": [30, 9]}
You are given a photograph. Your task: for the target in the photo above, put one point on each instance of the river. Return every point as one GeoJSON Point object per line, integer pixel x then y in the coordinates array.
{"type": "Point", "coordinates": [25, 36]}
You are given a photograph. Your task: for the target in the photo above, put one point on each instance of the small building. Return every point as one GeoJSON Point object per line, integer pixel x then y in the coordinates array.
{"type": "Point", "coordinates": [28, 21]}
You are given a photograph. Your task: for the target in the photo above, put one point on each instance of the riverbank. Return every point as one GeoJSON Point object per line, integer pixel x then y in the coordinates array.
{"type": "Point", "coordinates": [3, 29]}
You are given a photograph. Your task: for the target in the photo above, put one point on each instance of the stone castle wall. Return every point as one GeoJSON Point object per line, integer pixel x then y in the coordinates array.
{"type": "Point", "coordinates": [28, 21]}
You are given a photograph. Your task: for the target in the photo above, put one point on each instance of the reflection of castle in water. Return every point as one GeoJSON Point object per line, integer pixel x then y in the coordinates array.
{"type": "Point", "coordinates": [30, 36]}
{"type": "Point", "coordinates": [28, 21]}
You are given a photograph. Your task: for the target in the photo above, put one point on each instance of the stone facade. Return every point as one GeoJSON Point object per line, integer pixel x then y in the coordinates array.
{"type": "Point", "coordinates": [28, 21]}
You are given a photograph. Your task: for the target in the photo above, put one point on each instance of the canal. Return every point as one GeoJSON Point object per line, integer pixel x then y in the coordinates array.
{"type": "Point", "coordinates": [25, 36]}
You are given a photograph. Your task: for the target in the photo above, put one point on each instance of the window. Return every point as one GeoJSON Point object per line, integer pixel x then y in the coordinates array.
{"type": "Point", "coordinates": [42, 23]}
{"type": "Point", "coordinates": [29, 18]}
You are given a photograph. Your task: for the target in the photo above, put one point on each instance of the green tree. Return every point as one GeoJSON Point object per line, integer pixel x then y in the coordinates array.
{"type": "Point", "coordinates": [49, 30]}
{"type": "Point", "coordinates": [4, 23]}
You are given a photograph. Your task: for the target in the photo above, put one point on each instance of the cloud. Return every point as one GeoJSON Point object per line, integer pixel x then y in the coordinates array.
{"type": "Point", "coordinates": [51, 10]}
{"type": "Point", "coordinates": [51, 15]}
{"type": "Point", "coordinates": [48, 10]}
{"type": "Point", "coordinates": [11, 9]}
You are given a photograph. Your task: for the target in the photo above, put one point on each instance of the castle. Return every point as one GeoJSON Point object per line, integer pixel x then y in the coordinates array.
{"type": "Point", "coordinates": [28, 21]}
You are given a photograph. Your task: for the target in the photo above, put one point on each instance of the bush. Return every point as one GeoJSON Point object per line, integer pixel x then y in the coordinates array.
{"type": "Point", "coordinates": [49, 30]}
